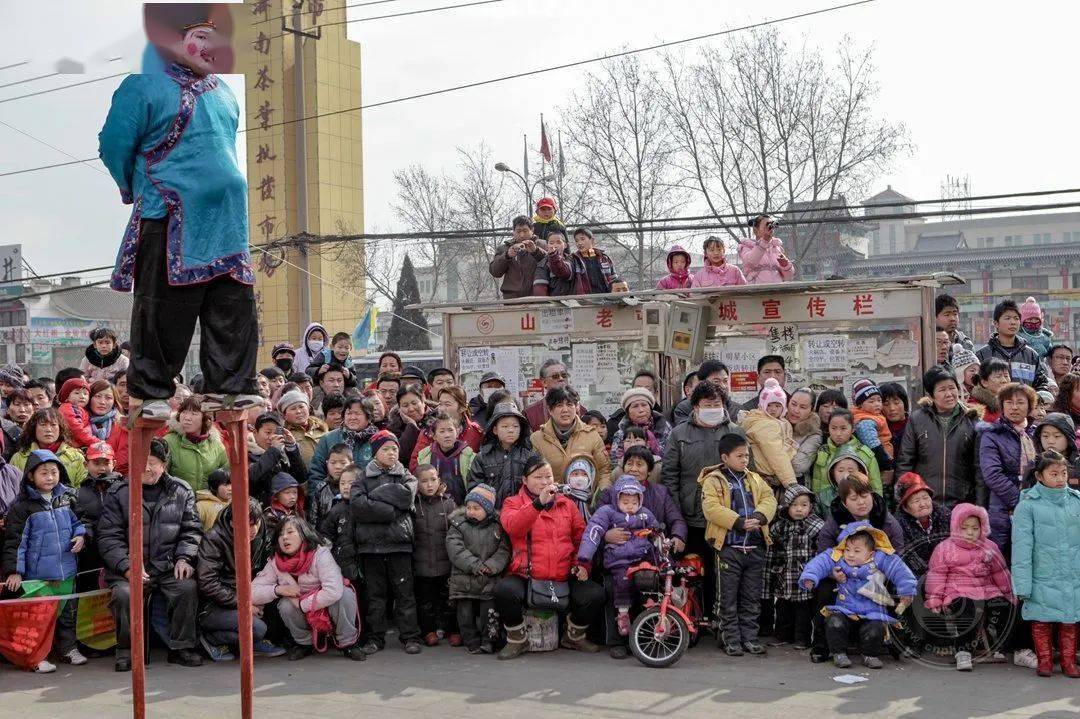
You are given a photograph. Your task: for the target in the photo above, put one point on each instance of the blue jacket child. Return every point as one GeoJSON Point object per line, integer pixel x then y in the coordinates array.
{"type": "Point", "coordinates": [862, 594]}
{"type": "Point", "coordinates": [42, 525]}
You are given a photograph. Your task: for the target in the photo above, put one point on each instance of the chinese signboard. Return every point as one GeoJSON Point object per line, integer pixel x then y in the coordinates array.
{"type": "Point", "coordinates": [580, 321]}
{"type": "Point", "coordinates": [821, 307]}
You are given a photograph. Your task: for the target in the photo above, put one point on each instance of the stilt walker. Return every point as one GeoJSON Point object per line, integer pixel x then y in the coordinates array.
{"type": "Point", "coordinates": [169, 142]}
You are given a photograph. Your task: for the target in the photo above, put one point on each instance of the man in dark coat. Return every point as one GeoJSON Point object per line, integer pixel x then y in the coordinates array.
{"type": "Point", "coordinates": [517, 258]}
{"type": "Point", "coordinates": [216, 576]}
{"type": "Point", "coordinates": [171, 536]}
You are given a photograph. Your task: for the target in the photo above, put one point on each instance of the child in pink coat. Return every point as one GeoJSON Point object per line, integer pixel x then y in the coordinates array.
{"type": "Point", "coordinates": [763, 257]}
{"type": "Point", "coordinates": [717, 272]}
{"type": "Point", "coordinates": [966, 566]}
{"type": "Point", "coordinates": [305, 581]}
{"type": "Point", "coordinates": [74, 397]}
{"type": "Point", "coordinates": [678, 264]}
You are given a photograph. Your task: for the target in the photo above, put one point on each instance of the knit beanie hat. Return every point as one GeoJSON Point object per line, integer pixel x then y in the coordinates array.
{"type": "Point", "coordinates": [290, 398]}
{"type": "Point", "coordinates": [1030, 310]}
{"type": "Point", "coordinates": [71, 385]}
{"type": "Point", "coordinates": [159, 450]}
{"type": "Point", "coordinates": [282, 348]}
{"type": "Point", "coordinates": [380, 438]}
{"type": "Point", "coordinates": [908, 485]}
{"type": "Point", "coordinates": [863, 390]}
{"type": "Point", "coordinates": [12, 375]}
{"type": "Point", "coordinates": [635, 393]}
{"type": "Point", "coordinates": [484, 495]}
{"type": "Point", "coordinates": [1045, 397]}
{"type": "Point", "coordinates": [772, 393]}
{"type": "Point", "coordinates": [282, 481]}
{"type": "Point", "coordinates": [936, 374]}
{"type": "Point", "coordinates": [962, 358]}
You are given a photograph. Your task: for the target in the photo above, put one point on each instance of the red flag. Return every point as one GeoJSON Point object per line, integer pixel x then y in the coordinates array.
{"type": "Point", "coordinates": [545, 148]}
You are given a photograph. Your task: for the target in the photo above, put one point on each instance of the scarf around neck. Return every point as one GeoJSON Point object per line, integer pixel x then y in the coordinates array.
{"type": "Point", "coordinates": [562, 436]}
{"type": "Point", "coordinates": [101, 425]}
{"type": "Point", "coordinates": [295, 565]}
{"type": "Point", "coordinates": [356, 438]}
{"type": "Point", "coordinates": [448, 463]}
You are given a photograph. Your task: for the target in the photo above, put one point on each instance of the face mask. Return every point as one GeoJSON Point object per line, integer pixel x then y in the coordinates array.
{"type": "Point", "coordinates": [581, 484]}
{"type": "Point", "coordinates": [711, 416]}
{"type": "Point", "coordinates": [315, 345]}
{"type": "Point", "coordinates": [284, 364]}
{"type": "Point", "coordinates": [486, 392]}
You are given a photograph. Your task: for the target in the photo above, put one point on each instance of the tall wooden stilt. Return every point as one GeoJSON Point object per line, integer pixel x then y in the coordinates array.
{"type": "Point", "coordinates": [139, 450]}
{"type": "Point", "coordinates": [236, 424]}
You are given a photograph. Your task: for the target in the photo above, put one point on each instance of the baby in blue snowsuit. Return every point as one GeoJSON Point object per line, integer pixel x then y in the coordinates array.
{"type": "Point", "coordinates": [624, 512]}
{"type": "Point", "coordinates": [860, 563]}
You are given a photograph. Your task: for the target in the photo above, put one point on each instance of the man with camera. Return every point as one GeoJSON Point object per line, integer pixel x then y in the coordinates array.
{"type": "Point", "coordinates": [516, 260]}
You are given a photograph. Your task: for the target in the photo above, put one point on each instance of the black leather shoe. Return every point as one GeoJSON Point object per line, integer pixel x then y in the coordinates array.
{"type": "Point", "coordinates": [298, 652]}
{"type": "Point", "coordinates": [355, 652]}
{"type": "Point", "coordinates": [123, 663]}
{"type": "Point", "coordinates": [733, 650]}
{"type": "Point", "coordinates": [618, 651]}
{"type": "Point", "coordinates": [184, 657]}
{"type": "Point", "coordinates": [754, 648]}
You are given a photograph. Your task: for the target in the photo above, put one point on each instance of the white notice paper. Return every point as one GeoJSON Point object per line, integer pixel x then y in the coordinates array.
{"type": "Point", "coordinates": [556, 320]}
{"type": "Point", "coordinates": [825, 352]}
{"type": "Point", "coordinates": [607, 357]}
{"type": "Point", "coordinates": [508, 363]}
{"type": "Point", "coordinates": [474, 359]}
{"type": "Point", "coordinates": [583, 364]}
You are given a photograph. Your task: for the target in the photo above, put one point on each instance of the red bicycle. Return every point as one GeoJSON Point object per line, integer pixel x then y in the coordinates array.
{"type": "Point", "coordinates": [669, 623]}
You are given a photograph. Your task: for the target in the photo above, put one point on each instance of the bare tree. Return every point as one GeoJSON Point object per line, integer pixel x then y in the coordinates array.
{"type": "Point", "coordinates": [761, 124]}
{"type": "Point", "coordinates": [622, 143]}
{"type": "Point", "coordinates": [482, 201]}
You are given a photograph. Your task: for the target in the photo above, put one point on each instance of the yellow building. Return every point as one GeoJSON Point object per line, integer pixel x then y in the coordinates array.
{"type": "Point", "coordinates": [288, 298]}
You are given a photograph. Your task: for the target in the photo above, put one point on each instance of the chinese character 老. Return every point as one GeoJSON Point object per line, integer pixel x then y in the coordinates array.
{"type": "Point", "coordinates": [603, 317]}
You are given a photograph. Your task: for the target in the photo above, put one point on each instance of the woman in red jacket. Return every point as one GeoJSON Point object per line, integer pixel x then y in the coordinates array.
{"type": "Point", "coordinates": [108, 423]}
{"type": "Point", "coordinates": [453, 401]}
{"type": "Point", "coordinates": [538, 515]}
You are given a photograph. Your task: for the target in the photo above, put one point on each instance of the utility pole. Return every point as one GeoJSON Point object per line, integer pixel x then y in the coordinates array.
{"type": "Point", "coordinates": [300, 102]}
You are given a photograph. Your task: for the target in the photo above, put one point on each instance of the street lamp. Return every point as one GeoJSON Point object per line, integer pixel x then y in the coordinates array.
{"type": "Point", "coordinates": [503, 167]}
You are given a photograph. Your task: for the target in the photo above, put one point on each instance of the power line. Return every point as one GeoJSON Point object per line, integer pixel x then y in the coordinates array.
{"type": "Point", "coordinates": [308, 240]}
{"type": "Point", "coordinates": [577, 63]}
{"type": "Point", "coordinates": [17, 64]}
{"type": "Point", "coordinates": [65, 87]}
{"type": "Point", "coordinates": [329, 9]}
{"type": "Point", "coordinates": [397, 14]}
{"type": "Point", "coordinates": [480, 83]}
{"type": "Point", "coordinates": [52, 147]}
{"type": "Point", "coordinates": [31, 79]}
{"type": "Point", "coordinates": [47, 167]}
{"type": "Point", "coordinates": [289, 241]}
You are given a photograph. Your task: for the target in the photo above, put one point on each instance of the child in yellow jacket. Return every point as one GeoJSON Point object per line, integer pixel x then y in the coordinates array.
{"type": "Point", "coordinates": [738, 506]}
{"type": "Point", "coordinates": [770, 436]}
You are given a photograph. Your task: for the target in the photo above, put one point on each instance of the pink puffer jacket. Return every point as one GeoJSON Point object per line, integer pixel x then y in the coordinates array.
{"type": "Point", "coordinates": [320, 587]}
{"type": "Point", "coordinates": [764, 262]}
{"type": "Point", "coordinates": [723, 275]}
{"type": "Point", "coordinates": [972, 570]}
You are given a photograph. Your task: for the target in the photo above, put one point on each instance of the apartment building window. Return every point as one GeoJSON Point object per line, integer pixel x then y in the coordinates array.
{"type": "Point", "coordinates": [989, 241]}
{"type": "Point", "coordinates": [892, 239]}
{"type": "Point", "coordinates": [1041, 239]}
{"type": "Point", "coordinates": [1009, 240]}
{"type": "Point", "coordinates": [12, 317]}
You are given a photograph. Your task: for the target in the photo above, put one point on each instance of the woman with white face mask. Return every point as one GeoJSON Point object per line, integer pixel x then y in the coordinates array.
{"type": "Point", "coordinates": [692, 446]}
{"type": "Point", "coordinates": [311, 344]}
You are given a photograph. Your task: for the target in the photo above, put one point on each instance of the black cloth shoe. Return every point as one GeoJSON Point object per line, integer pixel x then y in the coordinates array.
{"type": "Point", "coordinates": [123, 663]}
{"type": "Point", "coordinates": [412, 646]}
{"type": "Point", "coordinates": [355, 652]}
{"type": "Point", "coordinates": [618, 651]}
{"type": "Point", "coordinates": [184, 657]}
{"type": "Point", "coordinates": [754, 648]}
{"type": "Point", "coordinates": [298, 652]}
{"type": "Point", "coordinates": [733, 650]}
{"type": "Point", "coordinates": [371, 647]}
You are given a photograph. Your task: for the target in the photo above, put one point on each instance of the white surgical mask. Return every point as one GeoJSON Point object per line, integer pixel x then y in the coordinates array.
{"type": "Point", "coordinates": [711, 416]}
{"type": "Point", "coordinates": [582, 484]}
{"type": "Point", "coordinates": [315, 345]}
{"type": "Point", "coordinates": [486, 392]}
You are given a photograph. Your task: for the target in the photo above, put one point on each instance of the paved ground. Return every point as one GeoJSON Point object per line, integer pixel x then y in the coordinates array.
{"type": "Point", "coordinates": [448, 682]}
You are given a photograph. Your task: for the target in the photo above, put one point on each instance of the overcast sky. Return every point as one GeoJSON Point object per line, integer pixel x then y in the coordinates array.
{"type": "Point", "coordinates": [985, 89]}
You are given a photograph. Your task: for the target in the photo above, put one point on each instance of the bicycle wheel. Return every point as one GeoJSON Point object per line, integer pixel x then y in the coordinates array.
{"type": "Point", "coordinates": [659, 641]}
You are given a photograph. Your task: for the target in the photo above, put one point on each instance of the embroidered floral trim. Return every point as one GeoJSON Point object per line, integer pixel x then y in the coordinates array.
{"type": "Point", "coordinates": [123, 276]}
